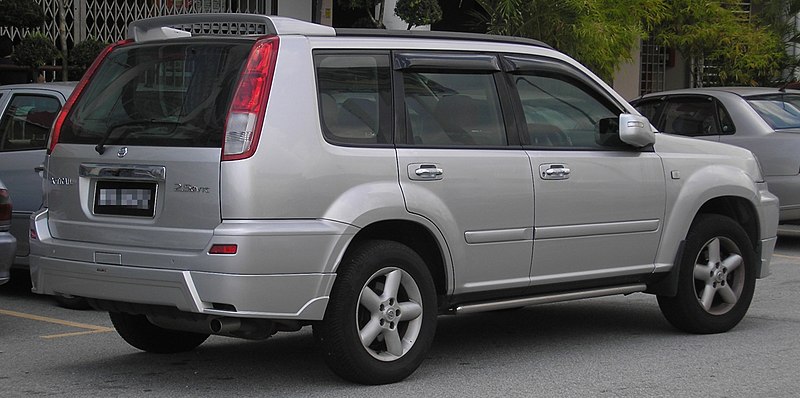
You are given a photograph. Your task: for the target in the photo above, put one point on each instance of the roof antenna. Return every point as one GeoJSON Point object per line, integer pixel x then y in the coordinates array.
{"type": "Point", "coordinates": [783, 87]}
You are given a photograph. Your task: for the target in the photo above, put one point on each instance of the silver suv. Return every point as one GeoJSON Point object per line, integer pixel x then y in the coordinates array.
{"type": "Point", "coordinates": [286, 174]}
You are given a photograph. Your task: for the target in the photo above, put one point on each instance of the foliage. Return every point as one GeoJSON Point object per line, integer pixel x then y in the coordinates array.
{"type": "Point", "coordinates": [601, 34]}
{"type": "Point", "coordinates": [771, 14]}
{"type": "Point", "coordinates": [21, 14]}
{"type": "Point", "coordinates": [82, 56]}
{"type": "Point", "coordinates": [369, 8]}
{"type": "Point", "coordinates": [35, 51]}
{"type": "Point", "coordinates": [710, 33]}
{"type": "Point", "coordinates": [418, 12]}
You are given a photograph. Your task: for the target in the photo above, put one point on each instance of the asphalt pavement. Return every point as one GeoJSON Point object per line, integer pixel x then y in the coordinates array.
{"type": "Point", "coordinates": [607, 347]}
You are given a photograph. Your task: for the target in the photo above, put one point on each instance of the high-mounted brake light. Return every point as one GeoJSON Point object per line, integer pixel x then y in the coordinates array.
{"type": "Point", "coordinates": [246, 114]}
{"type": "Point", "coordinates": [76, 93]}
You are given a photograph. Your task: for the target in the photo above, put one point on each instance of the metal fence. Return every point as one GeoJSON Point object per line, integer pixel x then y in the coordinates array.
{"type": "Point", "coordinates": [107, 20]}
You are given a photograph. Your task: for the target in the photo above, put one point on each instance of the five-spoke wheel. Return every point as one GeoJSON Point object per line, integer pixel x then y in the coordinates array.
{"type": "Point", "coordinates": [381, 316]}
{"type": "Point", "coordinates": [716, 279]}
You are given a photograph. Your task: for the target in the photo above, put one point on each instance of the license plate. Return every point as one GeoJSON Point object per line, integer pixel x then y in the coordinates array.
{"type": "Point", "coordinates": [122, 198]}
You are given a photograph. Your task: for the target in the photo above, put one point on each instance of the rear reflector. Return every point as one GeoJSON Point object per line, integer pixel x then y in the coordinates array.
{"type": "Point", "coordinates": [223, 249]}
{"type": "Point", "coordinates": [62, 116]}
{"type": "Point", "coordinates": [246, 114]}
{"type": "Point", "coordinates": [5, 209]}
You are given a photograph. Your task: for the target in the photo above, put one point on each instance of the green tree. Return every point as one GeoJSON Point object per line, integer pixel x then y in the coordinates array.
{"type": "Point", "coordinates": [418, 12]}
{"type": "Point", "coordinates": [776, 16]}
{"type": "Point", "coordinates": [82, 56]}
{"type": "Point", "coordinates": [723, 47]}
{"type": "Point", "coordinates": [35, 50]}
{"type": "Point", "coordinates": [601, 34]}
{"type": "Point", "coordinates": [369, 7]}
{"type": "Point", "coordinates": [21, 14]}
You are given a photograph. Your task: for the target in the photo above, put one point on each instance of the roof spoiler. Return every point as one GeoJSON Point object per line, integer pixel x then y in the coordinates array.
{"type": "Point", "coordinates": [185, 25]}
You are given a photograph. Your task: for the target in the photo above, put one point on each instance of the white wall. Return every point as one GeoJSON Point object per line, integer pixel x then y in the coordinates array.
{"type": "Point", "coordinates": [300, 9]}
{"type": "Point", "coordinates": [626, 79]}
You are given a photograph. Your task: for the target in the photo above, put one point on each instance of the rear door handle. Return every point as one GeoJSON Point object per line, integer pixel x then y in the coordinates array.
{"type": "Point", "coordinates": [425, 172]}
{"type": "Point", "coordinates": [551, 171]}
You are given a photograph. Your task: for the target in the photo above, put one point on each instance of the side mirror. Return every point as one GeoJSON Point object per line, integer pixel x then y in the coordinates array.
{"type": "Point", "coordinates": [636, 130]}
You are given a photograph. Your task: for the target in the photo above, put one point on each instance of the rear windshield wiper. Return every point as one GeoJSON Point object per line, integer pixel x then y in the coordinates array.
{"type": "Point", "coordinates": [100, 147]}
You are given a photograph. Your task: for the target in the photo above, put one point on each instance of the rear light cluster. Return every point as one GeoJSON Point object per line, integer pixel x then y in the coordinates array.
{"type": "Point", "coordinates": [62, 116]}
{"type": "Point", "coordinates": [5, 210]}
{"type": "Point", "coordinates": [246, 114]}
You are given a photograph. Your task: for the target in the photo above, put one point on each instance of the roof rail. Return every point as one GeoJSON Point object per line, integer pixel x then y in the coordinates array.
{"type": "Point", "coordinates": [424, 34]}
{"type": "Point", "coordinates": [184, 25]}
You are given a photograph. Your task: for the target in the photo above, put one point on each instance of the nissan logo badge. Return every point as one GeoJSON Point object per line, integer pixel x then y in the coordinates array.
{"type": "Point", "coordinates": [122, 151]}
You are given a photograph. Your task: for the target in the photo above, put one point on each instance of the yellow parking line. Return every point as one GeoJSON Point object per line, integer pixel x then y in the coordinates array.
{"type": "Point", "coordinates": [55, 336]}
{"type": "Point", "coordinates": [785, 256]}
{"type": "Point", "coordinates": [90, 328]}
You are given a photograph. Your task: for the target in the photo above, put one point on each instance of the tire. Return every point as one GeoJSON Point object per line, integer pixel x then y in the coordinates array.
{"type": "Point", "coordinates": [72, 302]}
{"type": "Point", "coordinates": [716, 278]}
{"type": "Point", "coordinates": [398, 323]}
{"type": "Point", "coordinates": [137, 331]}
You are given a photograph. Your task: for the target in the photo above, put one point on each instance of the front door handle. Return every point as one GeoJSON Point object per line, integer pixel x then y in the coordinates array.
{"type": "Point", "coordinates": [554, 171]}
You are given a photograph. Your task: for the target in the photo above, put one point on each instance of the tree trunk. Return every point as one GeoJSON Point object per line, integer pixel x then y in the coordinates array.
{"type": "Point", "coordinates": [62, 32]}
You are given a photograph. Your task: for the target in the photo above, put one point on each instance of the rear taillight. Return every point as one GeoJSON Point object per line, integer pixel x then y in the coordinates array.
{"type": "Point", "coordinates": [246, 114]}
{"type": "Point", "coordinates": [5, 209]}
{"type": "Point", "coordinates": [62, 116]}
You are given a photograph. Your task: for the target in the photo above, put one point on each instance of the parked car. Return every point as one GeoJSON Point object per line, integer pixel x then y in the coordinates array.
{"type": "Point", "coordinates": [28, 112]}
{"type": "Point", "coordinates": [8, 244]}
{"type": "Point", "coordinates": [364, 182]}
{"type": "Point", "coordinates": [764, 120]}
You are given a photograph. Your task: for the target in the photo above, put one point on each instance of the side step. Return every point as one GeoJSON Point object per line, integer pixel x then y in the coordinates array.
{"type": "Point", "coordinates": [547, 298]}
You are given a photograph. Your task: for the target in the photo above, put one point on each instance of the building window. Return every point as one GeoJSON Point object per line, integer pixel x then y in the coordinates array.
{"type": "Point", "coordinates": [654, 64]}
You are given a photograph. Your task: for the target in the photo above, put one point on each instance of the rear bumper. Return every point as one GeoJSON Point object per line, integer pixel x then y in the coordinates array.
{"type": "Point", "coordinates": [283, 270]}
{"type": "Point", "coordinates": [298, 296]}
{"type": "Point", "coordinates": [768, 215]}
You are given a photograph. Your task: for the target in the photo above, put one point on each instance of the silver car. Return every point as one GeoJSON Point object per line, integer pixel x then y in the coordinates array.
{"type": "Point", "coordinates": [27, 112]}
{"type": "Point", "coordinates": [365, 182]}
{"type": "Point", "coordinates": [764, 120]}
{"type": "Point", "coordinates": [8, 244]}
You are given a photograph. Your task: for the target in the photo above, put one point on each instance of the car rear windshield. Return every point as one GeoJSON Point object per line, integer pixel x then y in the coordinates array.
{"type": "Point", "coordinates": [159, 94]}
{"type": "Point", "coordinates": [779, 111]}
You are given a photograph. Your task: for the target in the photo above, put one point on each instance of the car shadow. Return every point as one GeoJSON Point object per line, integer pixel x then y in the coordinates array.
{"type": "Point", "coordinates": [290, 359]}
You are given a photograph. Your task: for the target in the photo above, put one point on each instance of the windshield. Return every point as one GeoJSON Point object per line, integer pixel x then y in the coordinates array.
{"type": "Point", "coordinates": [160, 94]}
{"type": "Point", "coordinates": [780, 111]}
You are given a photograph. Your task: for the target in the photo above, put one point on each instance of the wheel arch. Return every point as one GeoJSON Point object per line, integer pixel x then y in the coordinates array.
{"type": "Point", "coordinates": [739, 209]}
{"type": "Point", "coordinates": [722, 189]}
{"type": "Point", "coordinates": [420, 238]}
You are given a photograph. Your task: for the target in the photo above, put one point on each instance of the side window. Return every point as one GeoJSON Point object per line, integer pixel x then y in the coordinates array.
{"type": "Point", "coordinates": [26, 122]}
{"type": "Point", "coordinates": [453, 109]}
{"type": "Point", "coordinates": [725, 121]}
{"type": "Point", "coordinates": [561, 111]}
{"type": "Point", "coordinates": [650, 109]}
{"type": "Point", "coordinates": [355, 98]}
{"type": "Point", "coordinates": [692, 116]}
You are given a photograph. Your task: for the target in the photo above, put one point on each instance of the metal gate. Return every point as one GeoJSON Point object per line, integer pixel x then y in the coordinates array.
{"type": "Point", "coordinates": [107, 20]}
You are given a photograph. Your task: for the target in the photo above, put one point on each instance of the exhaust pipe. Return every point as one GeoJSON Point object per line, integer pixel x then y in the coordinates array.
{"type": "Point", "coordinates": [225, 325]}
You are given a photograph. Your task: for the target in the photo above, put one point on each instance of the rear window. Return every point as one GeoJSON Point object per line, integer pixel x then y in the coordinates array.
{"type": "Point", "coordinates": [159, 94]}
{"type": "Point", "coordinates": [779, 111]}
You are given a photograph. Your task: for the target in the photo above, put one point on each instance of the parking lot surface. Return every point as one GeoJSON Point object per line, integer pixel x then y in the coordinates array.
{"type": "Point", "coordinates": [607, 347]}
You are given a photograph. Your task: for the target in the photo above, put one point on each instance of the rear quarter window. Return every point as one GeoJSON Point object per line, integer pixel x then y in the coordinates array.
{"type": "Point", "coordinates": [354, 98]}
